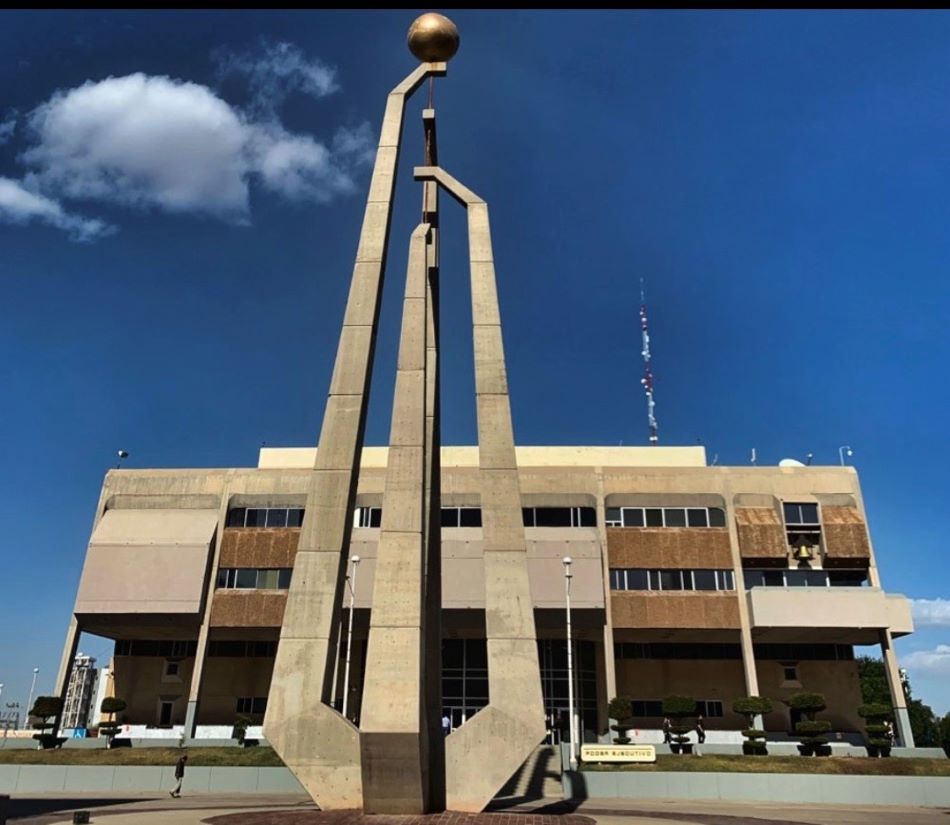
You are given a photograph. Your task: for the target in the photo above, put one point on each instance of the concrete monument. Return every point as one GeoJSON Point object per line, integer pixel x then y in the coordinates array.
{"type": "Point", "coordinates": [397, 760]}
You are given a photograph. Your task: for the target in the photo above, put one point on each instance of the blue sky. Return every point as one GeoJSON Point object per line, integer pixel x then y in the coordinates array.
{"type": "Point", "coordinates": [181, 193]}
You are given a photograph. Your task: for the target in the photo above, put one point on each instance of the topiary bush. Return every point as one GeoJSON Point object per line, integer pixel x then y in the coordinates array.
{"type": "Point", "coordinates": [810, 731]}
{"type": "Point", "coordinates": [750, 707]}
{"type": "Point", "coordinates": [111, 705]}
{"type": "Point", "coordinates": [877, 738]}
{"type": "Point", "coordinates": [621, 709]}
{"type": "Point", "coordinates": [46, 708]}
{"type": "Point", "coordinates": [680, 709]}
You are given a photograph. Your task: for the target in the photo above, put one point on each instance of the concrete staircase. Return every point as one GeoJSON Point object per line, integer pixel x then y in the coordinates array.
{"type": "Point", "coordinates": [538, 778]}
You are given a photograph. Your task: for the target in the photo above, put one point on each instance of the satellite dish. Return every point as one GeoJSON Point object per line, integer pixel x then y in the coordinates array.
{"type": "Point", "coordinates": [790, 462]}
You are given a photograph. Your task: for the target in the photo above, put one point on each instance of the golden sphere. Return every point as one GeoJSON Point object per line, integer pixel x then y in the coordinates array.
{"type": "Point", "coordinates": [433, 38]}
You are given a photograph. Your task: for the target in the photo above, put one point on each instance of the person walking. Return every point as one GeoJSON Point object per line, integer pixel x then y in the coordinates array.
{"type": "Point", "coordinates": [179, 775]}
{"type": "Point", "coordinates": [667, 733]}
{"type": "Point", "coordinates": [700, 729]}
{"type": "Point", "coordinates": [446, 723]}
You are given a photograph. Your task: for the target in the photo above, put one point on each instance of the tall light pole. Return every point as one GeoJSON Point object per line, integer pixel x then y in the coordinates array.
{"type": "Point", "coordinates": [351, 581]}
{"type": "Point", "coordinates": [841, 453]}
{"type": "Point", "coordinates": [29, 703]}
{"type": "Point", "coordinates": [570, 662]}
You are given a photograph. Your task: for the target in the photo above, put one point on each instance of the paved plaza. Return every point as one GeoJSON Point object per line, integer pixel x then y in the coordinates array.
{"type": "Point", "coordinates": [260, 809]}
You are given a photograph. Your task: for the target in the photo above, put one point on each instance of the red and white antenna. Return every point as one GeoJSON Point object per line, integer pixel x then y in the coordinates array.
{"type": "Point", "coordinates": [647, 379]}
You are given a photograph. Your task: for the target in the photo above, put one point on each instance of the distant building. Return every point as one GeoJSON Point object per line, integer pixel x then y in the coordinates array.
{"type": "Point", "coordinates": [81, 692]}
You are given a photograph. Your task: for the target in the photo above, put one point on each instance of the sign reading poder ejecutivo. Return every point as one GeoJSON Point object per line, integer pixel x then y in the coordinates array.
{"type": "Point", "coordinates": [618, 753]}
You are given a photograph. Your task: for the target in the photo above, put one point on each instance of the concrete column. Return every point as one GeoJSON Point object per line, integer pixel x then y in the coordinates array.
{"type": "Point", "coordinates": [394, 724]}
{"type": "Point", "coordinates": [610, 666]}
{"type": "Point", "coordinates": [745, 624]}
{"type": "Point", "coordinates": [70, 646]}
{"type": "Point", "coordinates": [902, 728]}
{"type": "Point", "coordinates": [482, 754]}
{"type": "Point", "coordinates": [315, 741]}
{"type": "Point", "coordinates": [197, 672]}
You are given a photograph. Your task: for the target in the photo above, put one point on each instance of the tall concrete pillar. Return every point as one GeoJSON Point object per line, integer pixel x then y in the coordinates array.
{"type": "Point", "coordinates": [902, 728]}
{"type": "Point", "coordinates": [314, 740]}
{"type": "Point", "coordinates": [482, 754]}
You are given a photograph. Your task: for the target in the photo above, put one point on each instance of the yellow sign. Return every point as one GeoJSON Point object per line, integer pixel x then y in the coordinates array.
{"type": "Point", "coordinates": [618, 753]}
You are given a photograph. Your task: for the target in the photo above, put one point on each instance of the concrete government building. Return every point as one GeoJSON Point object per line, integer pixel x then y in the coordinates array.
{"type": "Point", "coordinates": [686, 581]}
{"type": "Point", "coordinates": [228, 592]}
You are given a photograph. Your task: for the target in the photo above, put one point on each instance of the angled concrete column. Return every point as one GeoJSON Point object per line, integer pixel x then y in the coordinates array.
{"type": "Point", "coordinates": [394, 726]}
{"type": "Point", "coordinates": [317, 743]}
{"type": "Point", "coordinates": [482, 754]}
{"type": "Point", "coordinates": [902, 728]}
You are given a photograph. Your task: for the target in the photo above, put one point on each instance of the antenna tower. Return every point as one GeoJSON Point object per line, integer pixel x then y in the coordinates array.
{"type": "Point", "coordinates": [647, 379]}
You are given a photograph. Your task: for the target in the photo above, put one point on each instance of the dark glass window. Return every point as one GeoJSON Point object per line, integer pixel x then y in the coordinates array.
{"type": "Point", "coordinates": [295, 517]}
{"type": "Point", "coordinates": [654, 517]}
{"type": "Point", "coordinates": [246, 577]}
{"type": "Point", "coordinates": [772, 578]}
{"type": "Point", "coordinates": [847, 578]}
{"type": "Point", "coordinates": [614, 516]}
{"type": "Point", "coordinates": [453, 651]}
{"type": "Point", "coordinates": [671, 580]}
{"type": "Point", "coordinates": [717, 517]}
{"type": "Point", "coordinates": [675, 517]}
{"type": "Point", "coordinates": [283, 577]}
{"type": "Point", "coordinates": [816, 578]}
{"type": "Point", "coordinates": [801, 513]}
{"type": "Point", "coordinates": [450, 517]}
{"type": "Point", "coordinates": [697, 517]}
{"type": "Point", "coordinates": [704, 579]}
{"type": "Point", "coordinates": [753, 578]}
{"type": "Point", "coordinates": [527, 515]}
{"type": "Point", "coordinates": [256, 517]}
{"type": "Point", "coordinates": [647, 708]}
{"type": "Point", "coordinates": [618, 579]}
{"type": "Point", "coordinates": [276, 518]}
{"type": "Point", "coordinates": [633, 517]}
{"type": "Point", "coordinates": [588, 517]}
{"type": "Point", "coordinates": [470, 517]}
{"type": "Point", "coordinates": [637, 580]}
{"type": "Point", "coordinates": [726, 580]}
{"type": "Point", "coordinates": [236, 517]}
{"type": "Point", "coordinates": [552, 516]}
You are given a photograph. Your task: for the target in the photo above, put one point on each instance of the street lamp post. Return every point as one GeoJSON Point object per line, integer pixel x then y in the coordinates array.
{"type": "Point", "coordinates": [351, 581]}
{"type": "Point", "coordinates": [29, 703]}
{"type": "Point", "coordinates": [570, 662]}
{"type": "Point", "coordinates": [841, 453]}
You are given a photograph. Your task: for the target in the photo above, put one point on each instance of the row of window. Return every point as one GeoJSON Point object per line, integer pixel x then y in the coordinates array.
{"type": "Point", "coordinates": [639, 579]}
{"type": "Point", "coordinates": [795, 514]}
{"type": "Point", "coordinates": [156, 647]}
{"type": "Point", "coordinates": [650, 708]}
{"type": "Point", "coordinates": [265, 517]}
{"type": "Point", "coordinates": [472, 516]}
{"type": "Point", "coordinates": [242, 649]}
{"type": "Point", "coordinates": [708, 650]}
{"type": "Point", "coordinates": [805, 578]}
{"type": "Point", "coordinates": [253, 705]}
{"type": "Point", "coordinates": [665, 517]}
{"type": "Point", "coordinates": [250, 578]}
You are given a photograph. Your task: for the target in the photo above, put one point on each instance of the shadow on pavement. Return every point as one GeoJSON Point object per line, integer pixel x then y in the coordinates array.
{"type": "Point", "coordinates": [21, 807]}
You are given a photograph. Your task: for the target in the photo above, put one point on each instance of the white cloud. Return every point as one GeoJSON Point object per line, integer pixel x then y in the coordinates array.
{"type": "Point", "coordinates": [936, 661]}
{"type": "Point", "coordinates": [19, 206]}
{"type": "Point", "coordinates": [274, 71]}
{"type": "Point", "coordinates": [156, 142]}
{"type": "Point", "coordinates": [931, 612]}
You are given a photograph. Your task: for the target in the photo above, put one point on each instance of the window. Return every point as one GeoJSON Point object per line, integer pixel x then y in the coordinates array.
{"type": "Point", "coordinates": [805, 578]}
{"type": "Point", "coordinates": [677, 650]}
{"type": "Point", "coordinates": [367, 516]}
{"type": "Point", "coordinates": [801, 513]}
{"type": "Point", "coordinates": [155, 647]}
{"type": "Point", "coordinates": [647, 708]}
{"type": "Point", "coordinates": [665, 517]}
{"type": "Point", "coordinates": [790, 673]}
{"type": "Point", "coordinates": [265, 517]}
{"type": "Point", "coordinates": [710, 708]}
{"type": "Point", "coordinates": [559, 516]}
{"type": "Point", "coordinates": [847, 578]}
{"type": "Point", "coordinates": [253, 705]}
{"type": "Point", "coordinates": [172, 668]}
{"type": "Point", "coordinates": [461, 516]}
{"type": "Point", "coordinates": [640, 579]}
{"type": "Point", "coordinates": [242, 649]}
{"type": "Point", "coordinates": [250, 578]}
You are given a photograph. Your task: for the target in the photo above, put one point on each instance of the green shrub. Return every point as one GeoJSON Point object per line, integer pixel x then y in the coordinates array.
{"type": "Point", "coordinates": [810, 730]}
{"type": "Point", "coordinates": [46, 708]}
{"type": "Point", "coordinates": [621, 709]}
{"type": "Point", "coordinates": [750, 707]}
{"type": "Point", "coordinates": [111, 705]}
{"type": "Point", "coordinates": [877, 736]}
{"type": "Point", "coordinates": [679, 709]}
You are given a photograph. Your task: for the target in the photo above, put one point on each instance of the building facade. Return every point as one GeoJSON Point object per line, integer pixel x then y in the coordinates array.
{"type": "Point", "coordinates": [711, 582]}
{"type": "Point", "coordinates": [79, 709]}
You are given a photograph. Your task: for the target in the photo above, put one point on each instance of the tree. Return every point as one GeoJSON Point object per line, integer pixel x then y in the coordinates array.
{"type": "Point", "coordinates": [875, 690]}
{"type": "Point", "coordinates": [750, 707]}
{"type": "Point", "coordinates": [621, 709]}
{"type": "Point", "coordinates": [44, 709]}
{"type": "Point", "coordinates": [679, 709]}
{"type": "Point", "coordinates": [111, 705]}
{"type": "Point", "coordinates": [945, 734]}
{"type": "Point", "coordinates": [810, 730]}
